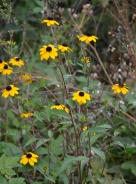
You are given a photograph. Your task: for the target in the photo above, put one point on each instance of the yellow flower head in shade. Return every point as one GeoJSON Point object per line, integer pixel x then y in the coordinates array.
{"type": "Point", "coordinates": [87, 38]}
{"type": "Point", "coordinates": [49, 21]}
{"type": "Point", "coordinates": [26, 115]}
{"type": "Point", "coordinates": [5, 69]}
{"type": "Point", "coordinates": [81, 97]}
{"type": "Point", "coordinates": [85, 59]}
{"type": "Point", "coordinates": [30, 158]}
{"type": "Point", "coordinates": [11, 42]}
{"type": "Point", "coordinates": [27, 78]}
{"type": "Point", "coordinates": [16, 61]}
{"type": "Point", "coordinates": [48, 51]}
{"type": "Point", "coordinates": [84, 128]}
{"type": "Point", "coordinates": [117, 88]}
{"type": "Point", "coordinates": [10, 90]}
{"type": "Point", "coordinates": [64, 48]}
{"type": "Point", "coordinates": [60, 107]}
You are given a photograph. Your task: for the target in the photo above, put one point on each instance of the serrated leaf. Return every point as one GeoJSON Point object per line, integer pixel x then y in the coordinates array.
{"type": "Point", "coordinates": [31, 141]}
{"type": "Point", "coordinates": [11, 161]}
{"type": "Point", "coordinates": [99, 153]}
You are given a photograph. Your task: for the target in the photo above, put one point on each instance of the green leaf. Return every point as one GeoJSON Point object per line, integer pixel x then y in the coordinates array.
{"type": "Point", "coordinates": [38, 116]}
{"type": "Point", "coordinates": [41, 142]}
{"type": "Point", "coordinates": [37, 10]}
{"type": "Point", "coordinates": [70, 160]}
{"type": "Point", "coordinates": [66, 122]}
{"type": "Point", "coordinates": [3, 180]}
{"type": "Point", "coordinates": [118, 143]}
{"type": "Point", "coordinates": [105, 126]}
{"type": "Point", "coordinates": [99, 153]}
{"type": "Point", "coordinates": [133, 169]}
{"type": "Point", "coordinates": [17, 181]}
{"type": "Point", "coordinates": [11, 161]}
{"type": "Point", "coordinates": [94, 138]}
{"type": "Point", "coordinates": [31, 141]}
{"type": "Point", "coordinates": [9, 172]}
{"type": "Point", "coordinates": [60, 113]}
{"type": "Point", "coordinates": [127, 165]}
{"type": "Point", "coordinates": [50, 134]}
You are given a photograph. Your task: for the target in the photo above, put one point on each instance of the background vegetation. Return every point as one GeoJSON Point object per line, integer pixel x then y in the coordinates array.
{"type": "Point", "coordinates": [105, 153]}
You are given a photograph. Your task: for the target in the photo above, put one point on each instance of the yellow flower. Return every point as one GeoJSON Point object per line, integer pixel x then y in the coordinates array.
{"type": "Point", "coordinates": [5, 69]}
{"type": "Point", "coordinates": [117, 88]}
{"type": "Point", "coordinates": [27, 78]}
{"type": "Point", "coordinates": [16, 61]}
{"type": "Point", "coordinates": [81, 97]}
{"type": "Point", "coordinates": [26, 115]}
{"type": "Point", "coordinates": [49, 21]}
{"type": "Point", "coordinates": [2, 63]}
{"type": "Point", "coordinates": [123, 127]}
{"type": "Point", "coordinates": [11, 42]}
{"type": "Point", "coordinates": [85, 59]}
{"type": "Point", "coordinates": [60, 107]}
{"type": "Point", "coordinates": [30, 158]}
{"type": "Point", "coordinates": [87, 39]}
{"type": "Point", "coordinates": [48, 51]}
{"type": "Point", "coordinates": [10, 90]}
{"type": "Point", "coordinates": [64, 48]}
{"type": "Point", "coordinates": [84, 128]}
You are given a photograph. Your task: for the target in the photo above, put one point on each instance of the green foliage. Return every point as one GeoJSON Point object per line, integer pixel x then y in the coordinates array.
{"type": "Point", "coordinates": [93, 142]}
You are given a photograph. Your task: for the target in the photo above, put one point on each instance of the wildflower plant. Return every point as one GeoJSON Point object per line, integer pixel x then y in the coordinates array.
{"type": "Point", "coordinates": [63, 118]}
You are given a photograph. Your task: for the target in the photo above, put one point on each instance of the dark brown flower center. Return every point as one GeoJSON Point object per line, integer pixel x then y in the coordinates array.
{"type": "Point", "coordinates": [81, 93]}
{"type": "Point", "coordinates": [65, 45]}
{"type": "Point", "coordinates": [17, 59]}
{"type": "Point", "coordinates": [0, 61]}
{"type": "Point", "coordinates": [88, 34]}
{"type": "Point", "coordinates": [8, 88]}
{"type": "Point", "coordinates": [49, 18]}
{"type": "Point", "coordinates": [57, 103]}
{"type": "Point", "coordinates": [28, 155]}
{"type": "Point", "coordinates": [5, 66]}
{"type": "Point", "coordinates": [48, 49]}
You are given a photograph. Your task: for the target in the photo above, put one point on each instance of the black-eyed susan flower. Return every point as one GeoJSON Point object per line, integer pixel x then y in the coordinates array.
{"type": "Point", "coordinates": [30, 158]}
{"type": "Point", "coordinates": [60, 107]}
{"type": "Point", "coordinates": [84, 128]}
{"type": "Point", "coordinates": [27, 78]}
{"type": "Point", "coordinates": [16, 61]}
{"type": "Point", "coordinates": [120, 88]}
{"type": "Point", "coordinates": [5, 69]}
{"type": "Point", "coordinates": [87, 38]}
{"type": "Point", "coordinates": [26, 115]}
{"type": "Point", "coordinates": [49, 21]}
{"type": "Point", "coordinates": [64, 48]}
{"type": "Point", "coordinates": [81, 97]}
{"type": "Point", "coordinates": [85, 59]}
{"type": "Point", "coordinates": [10, 90]}
{"type": "Point", "coordinates": [48, 51]}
